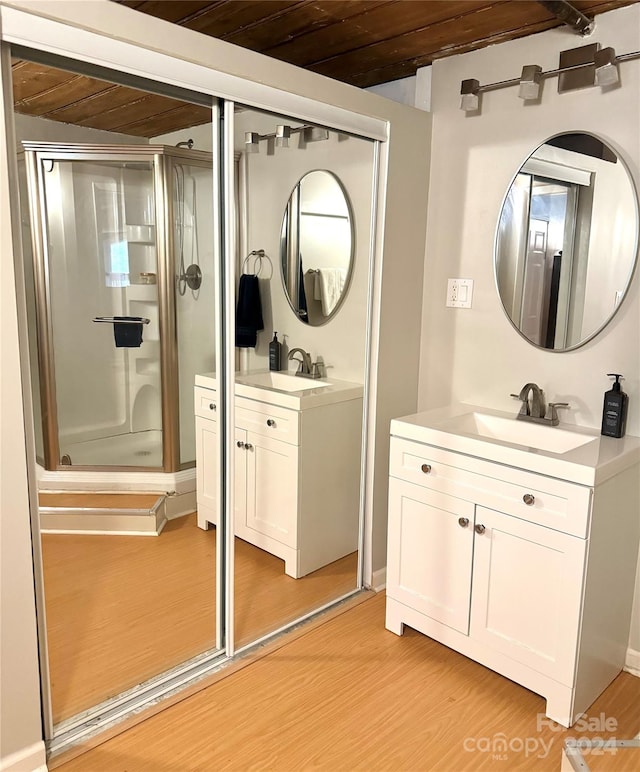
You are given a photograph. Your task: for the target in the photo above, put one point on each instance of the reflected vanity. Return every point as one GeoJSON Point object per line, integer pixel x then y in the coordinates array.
{"type": "Point", "coordinates": [566, 241]}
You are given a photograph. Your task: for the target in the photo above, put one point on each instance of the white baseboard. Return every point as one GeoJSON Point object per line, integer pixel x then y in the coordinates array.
{"type": "Point", "coordinates": [632, 662]}
{"type": "Point", "coordinates": [379, 579]}
{"type": "Point", "coordinates": [33, 758]}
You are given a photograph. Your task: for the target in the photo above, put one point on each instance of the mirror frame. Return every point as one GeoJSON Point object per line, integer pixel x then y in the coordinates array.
{"type": "Point", "coordinates": [352, 255]}
{"type": "Point", "coordinates": [635, 251]}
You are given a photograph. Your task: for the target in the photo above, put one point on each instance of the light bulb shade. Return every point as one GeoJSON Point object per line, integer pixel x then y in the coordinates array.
{"type": "Point", "coordinates": [606, 67]}
{"type": "Point", "coordinates": [314, 134]}
{"type": "Point", "coordinates": [282, 136]}
{"type": "Point", "coordinates": [530, 82]}
{"type": "Point", "coordinates": [251, 141]}
{"type": "Point", "coordinates": [470, 95]}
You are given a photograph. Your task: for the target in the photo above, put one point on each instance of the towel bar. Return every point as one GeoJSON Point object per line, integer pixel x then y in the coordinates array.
{"type": "Point", "coordinates": [121, 319]}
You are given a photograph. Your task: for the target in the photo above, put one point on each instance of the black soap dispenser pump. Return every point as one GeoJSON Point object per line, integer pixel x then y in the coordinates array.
{"type": "Point", "coordinates": [614, 411]}
{"type": "Point", "coordinates": [275, 348]}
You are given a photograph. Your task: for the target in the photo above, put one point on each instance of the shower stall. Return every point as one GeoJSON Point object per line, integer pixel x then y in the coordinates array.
{"type": "Point", "coordinates": [120, 293]}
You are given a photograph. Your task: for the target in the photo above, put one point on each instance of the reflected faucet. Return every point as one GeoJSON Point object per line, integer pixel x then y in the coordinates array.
{"type": "Point", "coordinates": [305, 365]}
{"type": "Point", "coordinates": [534, 409]}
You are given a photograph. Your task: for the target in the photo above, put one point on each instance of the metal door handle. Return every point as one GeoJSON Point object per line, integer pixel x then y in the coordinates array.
{"type": "Point", "coordinates": [480, 528]}
{"type": "Point", "coordinates": [248, 446]}
{"type": "Point", "coordinates": [271, 422]}
{"type": "Point", "coordinates": [426, 468]}
{"type": "Point", "coordinates": [463, 522]}
{"type": "Point", "coordinates": [529, 499]}
{"type": "Point", "coordinates": [240, 444]}
{"type": "Point", "coordinates": [212, 405]}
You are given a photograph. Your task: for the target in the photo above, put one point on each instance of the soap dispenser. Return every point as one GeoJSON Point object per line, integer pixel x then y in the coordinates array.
{"type": "Point", "coordinates": [614, 411]}
{"type": "Point", "coordinates": [275, 348]}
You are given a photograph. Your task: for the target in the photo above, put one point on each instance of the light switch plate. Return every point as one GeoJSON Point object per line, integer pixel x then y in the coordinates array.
{"type": "Point", "coordinates": [459, 293]}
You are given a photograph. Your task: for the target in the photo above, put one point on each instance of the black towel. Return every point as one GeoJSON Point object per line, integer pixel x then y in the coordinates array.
{"type": "Point", "coordinates": [248, 312]}
{"type": "Point", "coordinates": [127, 331]}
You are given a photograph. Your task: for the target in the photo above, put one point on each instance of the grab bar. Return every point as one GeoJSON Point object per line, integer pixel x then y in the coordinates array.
{"type": "Point", "coordinates": [121, 319]}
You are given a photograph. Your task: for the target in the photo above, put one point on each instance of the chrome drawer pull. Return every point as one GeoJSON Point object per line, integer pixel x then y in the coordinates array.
{"type": "Point", "coordinates": [271, 422]}
{"type": "Point", "coordinates": [463, 522]}
{"type": "Point", "coordinates": [212, 405]}
{"type": "Point", "coordinates": [426, 468]}
{"type": "Point", "coordinates": [529, 499]}
{"type": "Point", "coordinates": [240, 444]}
{"type": "Point", "coordinates": [480, 528]}
{"type": "Point", "coordinates": [248, 446]}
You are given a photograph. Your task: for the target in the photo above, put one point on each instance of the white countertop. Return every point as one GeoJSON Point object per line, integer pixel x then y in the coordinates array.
{"type": "Point", "coordinates": [593, 462]}
{"type": "Point", "coordinates": [312, 395]}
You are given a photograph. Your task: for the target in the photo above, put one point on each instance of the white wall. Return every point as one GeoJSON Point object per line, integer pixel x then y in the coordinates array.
{"type": "Point", "coordinates": [475, 355]}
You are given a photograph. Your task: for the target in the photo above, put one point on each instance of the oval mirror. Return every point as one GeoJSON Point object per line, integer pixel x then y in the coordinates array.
{"type": "Point", "coordinates": [316, 247]}
{"type": "Point", "coordinates": [567, 241]}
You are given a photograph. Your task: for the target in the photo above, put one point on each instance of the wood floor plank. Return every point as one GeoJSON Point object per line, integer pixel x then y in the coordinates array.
{"type": "Point", "coordinates": [122, 609]}
{"type": "Point", "coordinates": [350, 695]}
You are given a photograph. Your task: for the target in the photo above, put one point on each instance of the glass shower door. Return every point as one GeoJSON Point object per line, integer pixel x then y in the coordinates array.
{"type": "Point", "coordinates": [101, 261]}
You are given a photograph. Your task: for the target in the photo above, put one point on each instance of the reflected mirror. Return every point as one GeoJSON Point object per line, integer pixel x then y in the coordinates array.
{"type": "Point", "coordinates": [316, 247]}
{"type": "Point", "coordinates": [567, 241]}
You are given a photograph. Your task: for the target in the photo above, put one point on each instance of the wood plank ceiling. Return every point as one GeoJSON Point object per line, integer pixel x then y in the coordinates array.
{"type": "Point", "coordinates": [360, 42]}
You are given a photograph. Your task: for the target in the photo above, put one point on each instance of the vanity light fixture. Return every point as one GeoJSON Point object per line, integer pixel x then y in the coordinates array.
{"type": "Point", "coordinates": [607, 73]}
{"type": "Point", "coordinates": [252, 141]}
{"type": "Point", "coordinates": [470, 95]}
{"type": "Point", "coordinates": [580, 67]}
{"type": "Point", "coordinates": [283, 134]}
{"type": "Point", "coordinates": [314, 134]}
{"type": "Point", "coordinates": [530, 82]}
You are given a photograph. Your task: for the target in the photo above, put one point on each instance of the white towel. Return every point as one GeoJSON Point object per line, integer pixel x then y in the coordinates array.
{"type": "Point", "coordinates": [329, 286]}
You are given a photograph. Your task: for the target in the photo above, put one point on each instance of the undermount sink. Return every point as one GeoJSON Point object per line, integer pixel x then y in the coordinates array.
{"type": "Point", "coordinates": [282, 381]}
{"type": "Point", "coordinates": [530, 435]}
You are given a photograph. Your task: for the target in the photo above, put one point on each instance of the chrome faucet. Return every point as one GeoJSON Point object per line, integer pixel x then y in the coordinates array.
{"type": "Point", "coordinates": [305, 365]}
{"type": "Point", "coordinates": [534, 409]}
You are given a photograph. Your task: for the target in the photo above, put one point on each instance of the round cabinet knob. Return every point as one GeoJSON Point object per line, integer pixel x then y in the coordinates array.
{"type": "Point", "coordinates": [529, 499]}
{"type": "Point", "coordinates": [426, 468]}
{"type": "Point", "coordinates": [480, 528]}
{"type": "Point", "coordinates": [248, 446]}
{"type": "Point", "coordinates": [271, 422]}
{"type": "Point", "coordinates": [240, 444]}
{"type": "Point", "coordinates": [212, 405]}
{"type": "Point", "coordinates": [463, 522]}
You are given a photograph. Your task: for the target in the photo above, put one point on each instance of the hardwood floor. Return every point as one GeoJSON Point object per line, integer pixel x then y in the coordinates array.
{"type": "Point", "coordinates": [121, 609]}
{"type": "Point", "coordinates": [349, 695]}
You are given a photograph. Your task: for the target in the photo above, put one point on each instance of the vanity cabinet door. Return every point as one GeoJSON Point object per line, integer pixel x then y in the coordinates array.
{"type": "Point", "coordinates": [272, 489]}
{"type": "Point", "coordinates": [430, 552]}
{"type": "Point", "coordinates": [207, 471]}
{"type": "Point", "coordinates": [527, 590]}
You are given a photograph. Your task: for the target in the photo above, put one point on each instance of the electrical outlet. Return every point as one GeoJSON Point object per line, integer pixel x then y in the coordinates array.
{"type": "Point", "coordinates": [459, 293]}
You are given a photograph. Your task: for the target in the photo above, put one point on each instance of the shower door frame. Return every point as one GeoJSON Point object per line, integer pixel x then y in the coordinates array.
{"type": "Point", "coordinates": [35, 153]}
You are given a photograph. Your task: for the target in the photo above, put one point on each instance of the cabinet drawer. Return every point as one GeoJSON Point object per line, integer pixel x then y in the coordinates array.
{"type": "Point", "coordinates": [554, 503]}
{"type": "Point", "coordinates": [268, 420]}
{"type": "Point", "coordinates": [206, 402]}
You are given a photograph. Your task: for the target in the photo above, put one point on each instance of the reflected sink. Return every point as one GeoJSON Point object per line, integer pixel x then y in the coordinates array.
{"type": "Point", "coordinates": [530, 435]}
{"type": "Point", "coordinates": [281, 381]}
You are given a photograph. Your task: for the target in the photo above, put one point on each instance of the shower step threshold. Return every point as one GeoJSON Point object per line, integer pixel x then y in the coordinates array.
{"type": "Point", "coordinates": [116, 514]}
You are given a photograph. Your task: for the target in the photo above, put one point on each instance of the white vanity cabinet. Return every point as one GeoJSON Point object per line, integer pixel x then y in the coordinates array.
{"type": "Point", "coordinates": [296, 472]}
{"type": "Point", "coordinates": [528, 574]}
